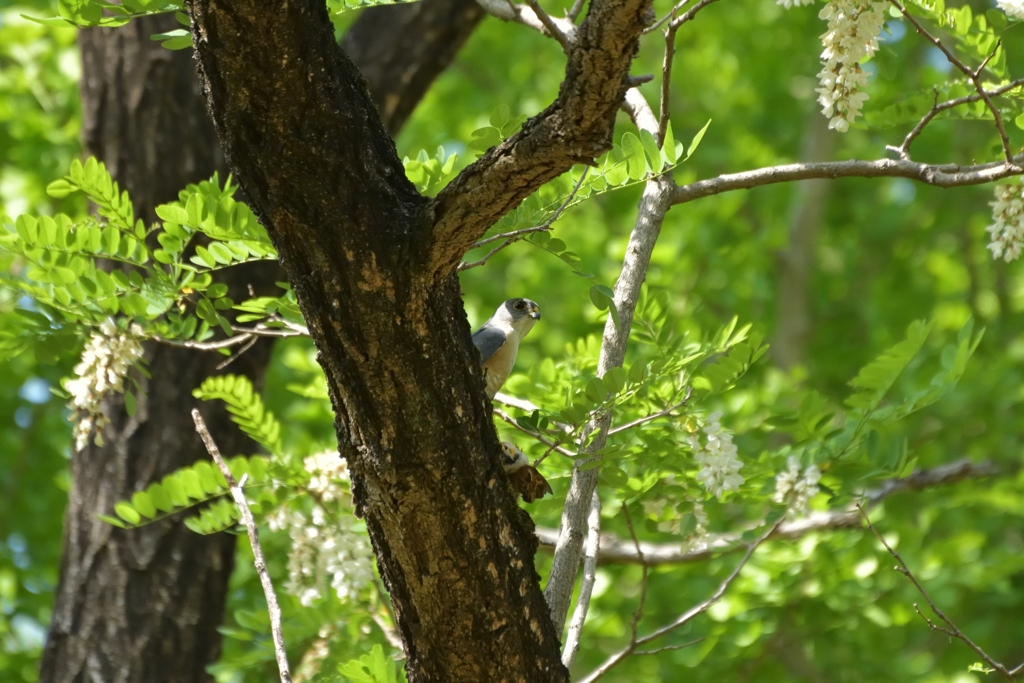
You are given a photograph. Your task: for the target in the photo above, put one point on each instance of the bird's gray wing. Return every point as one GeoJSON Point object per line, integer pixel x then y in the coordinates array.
{"type": "Point", "coordinates": [487, 341]}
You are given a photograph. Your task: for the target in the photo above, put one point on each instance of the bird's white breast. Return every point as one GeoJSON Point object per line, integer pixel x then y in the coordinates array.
{"type": "Point", "coordinates": [499, 366]}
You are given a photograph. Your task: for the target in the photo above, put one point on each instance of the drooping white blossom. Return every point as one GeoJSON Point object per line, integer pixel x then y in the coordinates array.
{"type": "Point", "coordinates": [851, 38]}
{"type": "Point", "coordinates": [795, 489]}
{"type": "Point", "coordinates": [325, 548]}
{"type": "Point", "coordinates": [718, 458]}
{"type": "Point", "coordinates": [106, 359]}
{"type": "Point", "coordinates": [1013, 8]}
{"type": "Point", "coordinates": [1007, 229]}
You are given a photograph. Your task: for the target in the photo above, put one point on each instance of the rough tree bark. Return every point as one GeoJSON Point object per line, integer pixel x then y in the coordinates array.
{"type": "Point", "coordinates": [144, 605]}
{"type": "Point", "coordinates": [373, 267]}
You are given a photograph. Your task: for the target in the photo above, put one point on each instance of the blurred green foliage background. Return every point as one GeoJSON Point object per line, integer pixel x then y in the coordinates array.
{"type": "Point", "coordinates": [887, 251]}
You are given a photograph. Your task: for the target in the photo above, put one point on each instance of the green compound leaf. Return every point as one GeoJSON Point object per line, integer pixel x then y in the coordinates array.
{"type": "Point", "coordinates": [246, 408]}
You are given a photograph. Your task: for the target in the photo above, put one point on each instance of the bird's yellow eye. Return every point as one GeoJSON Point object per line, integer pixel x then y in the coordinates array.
{"type": "Point", "coordinates": [519, 305]}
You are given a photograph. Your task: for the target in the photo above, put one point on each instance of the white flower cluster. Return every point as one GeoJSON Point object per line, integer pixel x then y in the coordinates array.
{"type": "Point", "coordinates": [1007, 229]}
{"type": "Point", "coordinates": [324, 546]}
{"type": "Point", "coordinates": [794, 3]}
{"type": "Point", "coordinates": [1013, 8]}
{"type": "Point", "coordinates": [106, 359]}
{"type": "Point", "coordinates": [796, 489]}
{"type": "Point", "coordinates": [719, 463]}
{"type": "Point", "coordinates": [852, 37]}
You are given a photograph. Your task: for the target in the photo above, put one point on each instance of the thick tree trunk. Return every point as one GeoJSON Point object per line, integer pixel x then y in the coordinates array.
{"type": "Point", "coordinates": [144, 605]}
{"type": "Point", "coordinates": [418, 437]}
{"type": "Point", "coordinates": [373, 267]}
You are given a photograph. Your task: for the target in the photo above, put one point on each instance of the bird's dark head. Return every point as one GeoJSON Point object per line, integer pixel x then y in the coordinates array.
{"type": "Point", "coordinates": [519, 309]}
{"type": "Point", "coordinates": [520, 314]}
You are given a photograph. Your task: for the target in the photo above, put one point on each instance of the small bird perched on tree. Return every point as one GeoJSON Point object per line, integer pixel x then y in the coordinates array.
{"type": "Point", "coordinates": [498, 340]}
{"type": "Point", "coordinates": [498, 344]}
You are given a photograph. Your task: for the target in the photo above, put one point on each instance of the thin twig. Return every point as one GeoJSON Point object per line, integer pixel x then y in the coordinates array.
{"type": "Point", "coordinates": [621, 550]}
{"type": "Point", "coordinates": [670, 51]}
{"type": "Point", "coordinates": [666, 81]}
{"type": "Point", "coordinates": [952, 629]}
{"type": "Point", "coordinates": [984, 62]}
{"type": "Point", "coordinates": [254, 540]}
{"type": "Point", "coordinates": [928, 621]}
{"type": "Point", "coordinates": [550, 25]}
{"type": "Point", "coordinates": [549, 451]}
{"type": "Point", "coordinates": [529, 407]}
{"type": "Point", "coordinates": [904, 149]}
{"type": "Point", "coordinates": [689, 14]}
{"type": "Point", "coordinates": [233, 357]}
{"type": "Point", "coordinates": [684, 618]}
{"type": "Point", "coordinates": [663, 648]}
{"type": "Point", "coordinates": [206, 346]}
{"type": "Point", "coordinates": [507, 10]}
{"type": "Point", "coordinates": [579, 615]}
{"type": "Point", "coordinates": [671, 15]}
{"type": "Point", "coordinates": [506, 235]}
{"type": "Point", "coordinates": [476, 264]}
{"type": "Point", "coordinates": [300, 330]}
{"type": "Point", "coordinates": [543, 439]}
{"type": "Point", "coordinates": [516, 235]}
{"type": "Point", "coordinates": [261, 331]}
{"type": "Point", "coordinates": [652, 416]}
{"type": "Point", "coordinates": [574, 11]}
{"type": "Point", "coordinates": [974, 75]}
{"type": "Point", "coordinates": [639, 613]}
{"type": "Point", "coordinates": [666, 65]}
{"type": "Point", "coordinates": [244, 335]}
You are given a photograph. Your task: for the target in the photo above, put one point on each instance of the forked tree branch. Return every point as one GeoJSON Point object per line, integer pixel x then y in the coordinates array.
{"type": "Point", "coordinates": [576, 128]}
{"type": "Point", "coordinates": [904, 149]}
{"type": "Point", "coordinates": [973, 74]}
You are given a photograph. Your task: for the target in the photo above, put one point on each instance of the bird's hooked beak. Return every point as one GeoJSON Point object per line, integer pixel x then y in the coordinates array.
{"type": "Point", "coordinates": [535, 312]}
